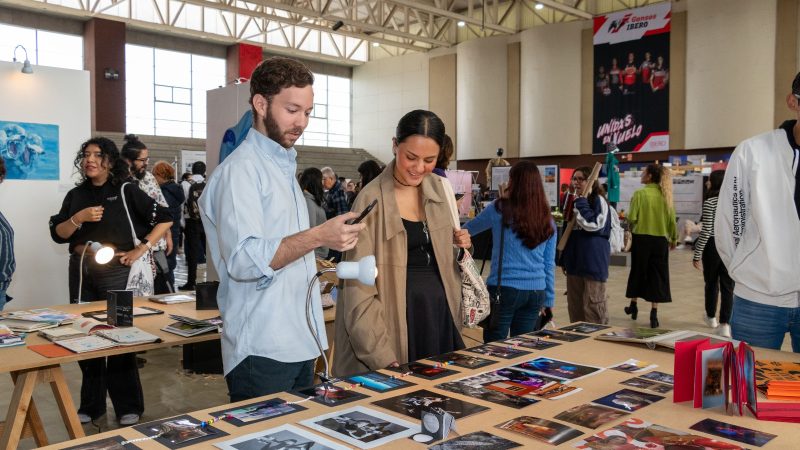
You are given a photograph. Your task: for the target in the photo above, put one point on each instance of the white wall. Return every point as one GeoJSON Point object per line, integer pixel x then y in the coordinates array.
{"type": "Point", "coordinates": [48, 96]}
{"type": "Point", "coordinates": [730, 71]}
{"type": "Point", "coordinates": [550, 94]}
{"type": "Point", "coordinates": [384, 91]}
{"type": "Point", "coordinates": [482, 87]}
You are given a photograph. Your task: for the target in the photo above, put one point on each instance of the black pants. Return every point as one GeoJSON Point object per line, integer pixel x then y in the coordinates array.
{"type": "Point", "coordinates": [717, 282]}
{"type": "Point", "coordinates": [194, 244]}
{"type": "Point", "coordinates": [256, 376]}
{"type": "Point", "coordinates": [117, 375]}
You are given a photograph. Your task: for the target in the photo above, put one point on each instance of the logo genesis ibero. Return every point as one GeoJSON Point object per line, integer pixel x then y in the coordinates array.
{"type": "Point", "coordinates": [630, 22]}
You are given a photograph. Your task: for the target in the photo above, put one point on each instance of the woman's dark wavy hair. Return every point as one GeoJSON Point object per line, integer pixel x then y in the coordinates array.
{"type": "Point", "coordinates": [596, 189]}
{"type": "Point", "coordinates": [715, 178]}
{"type": "Point", "coordinates": [369, 170]}
{"type": "Point", "coordinates": [132, 147]}
{"type": "Point", "coordinates": [311, 180]}
{"type": "Point", "coordinates": [118, 171]}
{"type": "Point", "coordinates": [422, 123]}
{"type": "Point", "coordinates": [445, 153]}
{"type": "Point", "coordinates": [526, 209]}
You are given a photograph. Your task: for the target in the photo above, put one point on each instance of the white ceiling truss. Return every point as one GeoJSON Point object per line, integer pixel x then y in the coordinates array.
{"type": "Point", "coordinates": [304, 27]}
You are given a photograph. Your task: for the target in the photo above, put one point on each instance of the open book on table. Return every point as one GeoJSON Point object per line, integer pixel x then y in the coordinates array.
{"type": "Point", "coordinates": [653, 337]}
{"type": "Point", "coordinates": [88, 334]}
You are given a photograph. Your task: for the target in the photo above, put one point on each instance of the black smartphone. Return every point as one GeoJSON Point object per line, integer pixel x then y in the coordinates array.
{"type": "Point", "coordinates": [364, 213]}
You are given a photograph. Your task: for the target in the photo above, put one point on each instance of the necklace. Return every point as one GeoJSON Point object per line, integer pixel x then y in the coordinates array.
{"type": "Point", "coordinates": [398, 180]}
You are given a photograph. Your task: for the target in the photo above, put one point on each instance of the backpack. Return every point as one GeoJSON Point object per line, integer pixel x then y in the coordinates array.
{"type": "Point", "coordinates": [192, 208]}
{"type": "Point", "coordinates": [616, 238]}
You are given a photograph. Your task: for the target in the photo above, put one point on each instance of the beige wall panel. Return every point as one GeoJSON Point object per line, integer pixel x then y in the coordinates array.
{"type": "Point", "coordinates": [442, 93]}
{"type": "Point", "coordinates": [785, 56]}
{"type": "Point", "coordinates": [677, 81]}
{"type": "Point", "coordinates": [587, 90]}
{"type": "Point", "coordinates": [730, 71]}
{"type": "Point", "coordinates": [550, 88]}
{"type": "Point", "coordinates": [513, 97]}
{"type": "Point", "coordinates": [482, 74]}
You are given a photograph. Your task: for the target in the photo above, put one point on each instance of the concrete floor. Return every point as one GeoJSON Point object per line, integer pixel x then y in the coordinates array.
{"type": "Point", "coordinates": [168, 390]}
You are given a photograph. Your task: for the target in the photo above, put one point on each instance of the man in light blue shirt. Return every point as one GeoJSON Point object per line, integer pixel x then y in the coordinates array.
{"type": "Point", "coordinates": [256, 222]}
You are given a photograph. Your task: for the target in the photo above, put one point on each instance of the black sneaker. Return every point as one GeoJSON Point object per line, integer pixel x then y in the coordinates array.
{"type": "Point", "coordinates": [187, 287]}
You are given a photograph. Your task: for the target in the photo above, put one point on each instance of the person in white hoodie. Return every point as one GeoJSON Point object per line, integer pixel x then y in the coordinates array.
{"type": "Point", "coordinates": [756, 233]}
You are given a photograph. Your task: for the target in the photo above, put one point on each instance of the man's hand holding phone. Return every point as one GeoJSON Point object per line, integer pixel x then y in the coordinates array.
{"type": "Point", "coordinates": [337, 234]}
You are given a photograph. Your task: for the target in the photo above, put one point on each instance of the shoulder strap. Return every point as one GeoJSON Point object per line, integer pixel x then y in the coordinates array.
{"type": "Point", "coordinates": [500, 262]}
{"type": "Point", "coordinates": [128, 213]}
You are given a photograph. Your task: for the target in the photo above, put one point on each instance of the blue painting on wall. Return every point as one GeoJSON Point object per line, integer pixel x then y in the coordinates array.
{"type": "Point", "coordinates": [30, 150]}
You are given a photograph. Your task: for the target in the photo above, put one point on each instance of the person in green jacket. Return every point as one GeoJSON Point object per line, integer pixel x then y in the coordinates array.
{"type": "Point", "coordinates": [652, 218]}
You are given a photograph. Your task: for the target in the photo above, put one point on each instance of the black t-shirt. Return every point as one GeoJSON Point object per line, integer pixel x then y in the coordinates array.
{"type": "Point", "coordinates": [788, 127]}
{"type": "Point", "coordinates": [113, 228]}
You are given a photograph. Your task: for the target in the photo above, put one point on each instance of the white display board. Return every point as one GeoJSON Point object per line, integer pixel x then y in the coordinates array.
{"type": "Point", "coordinates": [687, 194]}
{"type": "Point", "coordinates": [550, 179]}
{"type": "Point", "coordinates": [499, 176]}
{"type": "Point", "coordinates": [189, 157]}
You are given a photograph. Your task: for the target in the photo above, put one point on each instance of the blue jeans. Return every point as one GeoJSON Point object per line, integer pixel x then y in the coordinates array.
{"type": "Point", "coordinates": [256, 376]}
{"type": "Point", "coordinates": [517, 312]}
{"type": "Point", "coordinates": [763, 325]}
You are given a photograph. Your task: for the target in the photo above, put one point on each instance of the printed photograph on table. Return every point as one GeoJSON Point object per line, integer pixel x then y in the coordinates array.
{"type": "Point", "coordinates": [421, 370]}
{"type": "Point", "coordinates": [498, 351]}
{"type": "Point", "coordinates": [510, 388]}
{"type": "Point", "coordinates": [638, 434]}
{"type": "Point", "coordinates": [628, 400]}
{"type": "Point", "coordinates": [362, 427]}
{"type": "Point", "coordinates": [282, 437]}
{"type": "Point", "coordinates": [256, 412]}
{"type": "Point", "coordinates": [584, 327]}
{"type": "Point", "coordinates": [590, 416]}
{"type": "Point", "coordinates": [528, 378]}
{"type": "Point", "coordinates": [180, 431]}
{"type": "Point", "coordinates": [559, 335]}
{"type": "Point", "coordinates": [556, 391]}
{"type": "Point", "coordinates": [661, 377]}
{"type": "Point", "coordinates": [563, 370]}
{"type": "Point", "coordinates": [531, 343]}
{"type": "Point", "coordinates": [648, 385]}
{"type": "Point", "coordinates": [329, 394]}
{"type": "Point", "coordinates": [462, 360]}
{"type": "Point", "coordinates": [633, 366]}
{"type": "Point", "coordinates": [543, 430]}
{"type": "Point", "coordinates": [713, 385]}
{"type": "Point", "coordinates": [413, 403]}
{"type": "Point", "coordinates": [112, 443]}
{"type": "Point", "coordinates": [481, 393]}
{"type": "Point", "coordinates": [733, 432]}
{"type": "Point", "coordinates": [475, 441]}
{"type": "Point", "coordinates": [30, 150]}
{"type": "Point", "coordinates": [378, 382]}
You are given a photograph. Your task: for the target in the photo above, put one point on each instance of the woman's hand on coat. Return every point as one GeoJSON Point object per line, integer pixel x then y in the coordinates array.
{"type": "Point", "coordinates": [462, 239]}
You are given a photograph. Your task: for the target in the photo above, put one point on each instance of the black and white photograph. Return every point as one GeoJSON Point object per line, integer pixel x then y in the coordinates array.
{"type": "Point", "coordinates": [476, 441]}
{"type": "Point", "coordinates": [362, 427]}
{"type": "Point", "coordinates": [111, 443]}
{"type": "Point", "coordinates": [284, 437]}
{"type": "Point", "coordinates": [180, 431]}
{"type": "Point", "coordinates": [329, 395]}
{"type": "Point", "coordinates": [256, 412]}
{"type": "Point", "coordinates": [413, 403]}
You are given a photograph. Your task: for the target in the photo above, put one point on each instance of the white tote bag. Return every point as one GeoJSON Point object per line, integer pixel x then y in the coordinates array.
{"type": "Point", "coordinates": [142, 275]}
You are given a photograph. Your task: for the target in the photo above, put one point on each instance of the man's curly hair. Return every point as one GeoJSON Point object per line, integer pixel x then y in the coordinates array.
{"type": "Point", "coordinates": [276, 73]}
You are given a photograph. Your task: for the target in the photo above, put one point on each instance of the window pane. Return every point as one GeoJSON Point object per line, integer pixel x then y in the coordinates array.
{"type": "Point", "coordinates": [173, 128]}
{"type": "Point", "coordinates": [10, 37]}
{"type": "Point", "coordinates": [173, 111]}
{"type": "Point", "coordinates": [339, 98]}
{"type": "Point", "coordinates": [60, 50]}
{"type": "Point", "coordinates": [173, 68]}
{"type": "Point", "coordinates": [339, 127]}
{"type": "Point", "coordinates": [182, 96]}
{"type": "Point", "coordinates": [339, 112]}
{"type": "Point", "coordinates": [317, 125]}
{"type": "Point", "coordinates": [338, 84]}
{"type": "Point", "coordinates": [320, 111]}
{"type": "Point", "coordinates": [163, 93]}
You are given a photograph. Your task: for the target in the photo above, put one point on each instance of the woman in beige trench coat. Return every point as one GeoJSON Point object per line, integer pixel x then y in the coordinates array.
{"type": "Point", "coordinates": [414, 309]}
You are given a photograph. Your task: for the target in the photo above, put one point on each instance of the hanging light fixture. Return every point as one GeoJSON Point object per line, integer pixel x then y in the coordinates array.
{"type": "Point", "coordinates": [26, 66]}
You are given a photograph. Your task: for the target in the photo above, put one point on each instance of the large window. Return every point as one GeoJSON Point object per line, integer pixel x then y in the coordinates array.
{"type": "Point", "coordinates": [45, 48]}
{"type": "Point", "coordinates": [166, 91]}
{"type": "Point", "coordinates": [330, 120]}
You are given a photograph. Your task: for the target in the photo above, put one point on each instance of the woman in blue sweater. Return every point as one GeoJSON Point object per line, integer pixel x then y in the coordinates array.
{"type": "Point", "coordinates": [528, 280]}
{"type": "Point", "coordinates": [586, 256]}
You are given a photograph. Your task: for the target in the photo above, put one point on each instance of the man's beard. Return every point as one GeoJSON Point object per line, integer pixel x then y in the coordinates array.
{"type": "Point", "coordinates": [275, 133]}
{"type": "Point", "coordinates": [139, 173]}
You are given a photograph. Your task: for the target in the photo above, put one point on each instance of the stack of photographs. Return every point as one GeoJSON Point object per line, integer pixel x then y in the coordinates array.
{"type": "Point", "coordinates": [543, 430]}
{"type": "Point", "coordinates": [590, 416]}
{"type": "Point", "coordinates": [362, 427]}
{"type": "Point", "coordinates": [628, 400]}
{"type": "Point", "coordinates": [329, 395]}
{"type": "Point", "coordinates": [498, 351]}
{"type": "Point", "coordinates": [413, 403]}
{"type": "Point", "coordinates": [462, 360]}
{"type": "Point", "coordinates": [638, 434]}
{"type": "Point", "coordinates": [180, 431]}
{"type": "Point", "coordinates": [421, 370]}
{"type": "Point", "coordinates": [584, 327]}
{"type": "Point", "coordinates": [282, 437]}
{"type": "Point", "coordinates": [476, 440]}
{"type": "Point", "coordinates": [378, 382]}
{"type": "Point", "coordinates": [111, 443]}
{"type": "Point", "coordinates": [256, 412]}
{"type": "Point", "coordinates": [559, 335]}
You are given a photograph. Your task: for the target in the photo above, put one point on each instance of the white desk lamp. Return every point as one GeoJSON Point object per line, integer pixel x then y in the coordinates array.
{"type": "Point", "coordinates": [102, 255]}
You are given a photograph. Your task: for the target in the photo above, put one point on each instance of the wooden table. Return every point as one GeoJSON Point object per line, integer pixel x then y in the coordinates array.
{"type": "Point", "coordinates": [679, 416]}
